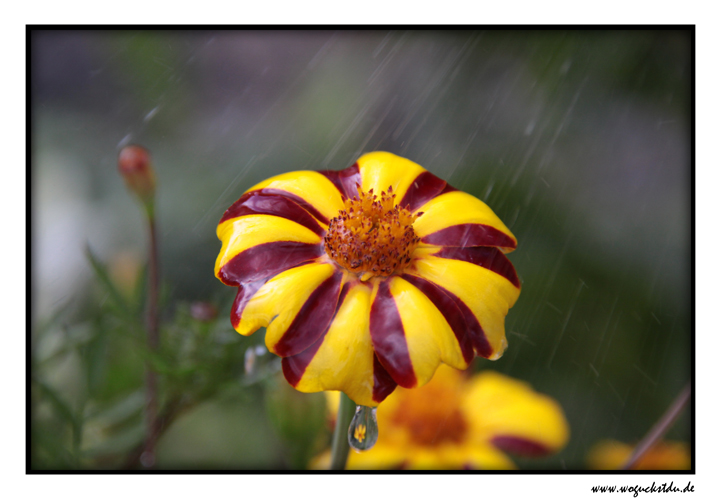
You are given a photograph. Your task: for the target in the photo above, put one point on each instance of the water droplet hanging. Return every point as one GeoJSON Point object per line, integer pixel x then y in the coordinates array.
{"type": "Point", "coordinates": [364, 429]}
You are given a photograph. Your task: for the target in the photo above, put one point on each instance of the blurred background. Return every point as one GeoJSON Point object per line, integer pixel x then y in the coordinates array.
{"type": "Point", "coordinates": [579, 140]}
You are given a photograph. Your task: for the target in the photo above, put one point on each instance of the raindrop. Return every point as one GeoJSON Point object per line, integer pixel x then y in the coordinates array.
{"type": "Point", "coordinates": [151, 114]}
{"type": "Point", "coordinates": [249, 364]}
{"type": "Point", "coordinates": [124, 141]}
{"type": "Point", "coordinates": [364, 429]}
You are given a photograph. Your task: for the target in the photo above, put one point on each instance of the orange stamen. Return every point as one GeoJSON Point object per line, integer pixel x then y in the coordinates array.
{"type": "Point", "coordinates": [372, 236]}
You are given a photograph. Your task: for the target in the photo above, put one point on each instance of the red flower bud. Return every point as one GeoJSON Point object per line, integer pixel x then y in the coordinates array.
{"type": "Point", "coordinates": [135, 166]}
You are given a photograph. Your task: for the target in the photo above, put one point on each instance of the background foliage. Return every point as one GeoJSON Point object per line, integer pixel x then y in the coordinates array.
{"type": "Point", "coordinates": [579, 141]}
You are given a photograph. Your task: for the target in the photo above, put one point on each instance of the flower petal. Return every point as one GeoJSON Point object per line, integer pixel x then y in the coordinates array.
{"type": "Point", "coordinates": [459, 219]}
{"type": "Point", "coordinates": [343, 357]}
{"type": "Point", "coordinates": [258, 202]}
{"type": "Point", "coordinates": [485, 457]}
{"type": "Point", "coordinates": [244, 294]}
{"type": "Point", "coordinates": [513, 417]}
{"type": "Point", "coordinates": [487, 294]}
{"type": "Point", "coordinates": [286, 303]}
{"type": "Point", "coordinates": [449, 309]}
{"type": "Point", "coordinates": [388, 335]}
{"type": "Point", "coordinates": [381, 456]}
{"type": "Point", "coordinates": [424, 188]}
{"type": "Point", "coordinates": [490, 258]}
{"type": "Point", "coordinates": [410, 333]}
{"type": "Point", "coordinates": [311, 190]}
{"type": "Point", "coordinates": [457, 456]}
{"type": "Point", "coordinates": [259, 246]}
{"type": "Point", "coordinates": [665, 455]}
{"type": "Point", "coordinates": [379, 170]}
{"type": "Point", "coordinates": [346, 180]}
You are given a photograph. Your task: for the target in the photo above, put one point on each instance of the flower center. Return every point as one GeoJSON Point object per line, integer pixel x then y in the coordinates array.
{"type": "Point", "coordinates": [371, 236]}
{"type": "Point", "coordinates": [433, 419]}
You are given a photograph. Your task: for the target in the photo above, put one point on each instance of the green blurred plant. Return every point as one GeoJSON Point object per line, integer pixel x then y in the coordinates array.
{"type": "Point", "coordinates": [298, 419]}
{"type": "Point", "coordinates": [89, 396]}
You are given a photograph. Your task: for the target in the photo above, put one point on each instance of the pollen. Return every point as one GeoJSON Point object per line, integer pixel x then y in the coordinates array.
{"type": "Point", "coordinates": [372, 236]}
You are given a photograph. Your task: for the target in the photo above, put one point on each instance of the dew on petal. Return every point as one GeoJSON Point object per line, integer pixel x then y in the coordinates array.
{"type": "Point", "coordinates": [364, 429]}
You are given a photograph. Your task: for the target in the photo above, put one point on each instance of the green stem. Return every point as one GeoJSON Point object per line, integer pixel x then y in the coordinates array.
{"type": "Point", "coordinates": [660, 428]}
{"type": "Point", "coordinates": [339, 443]}
{"type": "Point", "coordinates": [151, 380]}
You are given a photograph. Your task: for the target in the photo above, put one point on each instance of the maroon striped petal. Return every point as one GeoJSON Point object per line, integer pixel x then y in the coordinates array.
{"type": "Point", "coordinates": [313, 319]}
{"type": "Point", "coordinates": [490, 258]}
{"type": "Point", "coordinates": [425, 187]}
{"type": "Point", "coordinates": [264, 261]}
{"type": "Point", "coordinates": [295, 366]}
{"type": "Point", "coordinates": [520, 446]}
{"type": "Point", "coordinates": [245, 293]}
{"type": "Point", "coordinates": [258, 202]}
{"type": "Point", "coordinates": [473, 330]}
{"type": "Point", "coordinates": [388, 338]}
{"type": "Point", "coordinates": [469, 235]}
{"type": "Point", "coordinates": [296, 199]}
{"type": "Point", "coordinates": [449, 309]}
{"type": "Point", "coordinates": [383, 382]}
{"type": "Point", "coordinates": [346, 180]}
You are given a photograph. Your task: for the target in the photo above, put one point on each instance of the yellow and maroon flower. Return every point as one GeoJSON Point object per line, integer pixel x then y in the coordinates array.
{"type": "Point", "coordinates": [665, 455]}
{"type": "Point", "coordinates": [461, 422]}
{"type": "Point", "coordinates": [369, 277]}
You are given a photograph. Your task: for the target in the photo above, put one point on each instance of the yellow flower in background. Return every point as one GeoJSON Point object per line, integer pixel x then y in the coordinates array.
{"type": "Point", "coordinates": [665, 455]}
{"type": "Point", "coordinates": [460, 422]}
{"type": "Point", "coordinates": [369, 277]}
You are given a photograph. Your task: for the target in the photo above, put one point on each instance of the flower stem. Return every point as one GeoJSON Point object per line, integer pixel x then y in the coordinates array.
{"type": "Point", "coordinates": [660, 428]}
{"type": "Point", "coordinates": [147, 458]}
{"type": "Point", "coordinates": [339, 443]}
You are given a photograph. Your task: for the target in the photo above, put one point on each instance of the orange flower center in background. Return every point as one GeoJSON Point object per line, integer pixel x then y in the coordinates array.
{"type": "Point", "coordinates": [372, 236]}
{"type": "Point", "coordinates": [433, 419]}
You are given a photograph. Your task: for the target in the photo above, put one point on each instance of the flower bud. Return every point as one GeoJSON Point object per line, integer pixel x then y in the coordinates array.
{"type": "Point", "coordinates": [135, 166]}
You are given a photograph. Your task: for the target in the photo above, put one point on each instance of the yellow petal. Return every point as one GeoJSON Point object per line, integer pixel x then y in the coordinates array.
{"type": "Point", "coordinates": [429, 337]}
{"type": "Point", "coordinates": [497, 405]}
{"type": "Point", "coordinates": [381, 456]}
{"type": "Point", "coordinates": [665, 455]}
{"type": "Point", "coordinates": [344, 360]}
{"type": "Point", "coordinates": [379, 170]}
{"type": "Point", "coordinates": [278, 301]}
{"type": "Point", "coordinates": [313, 188]}
{"type": "Point", "coordinates": [485, 457]}
{"type": "Point", "coordinates": [486, 293]}
{"type": "Point", "coordinates": [248, 231]}
{"type": "Point", "coordinates": [455, 208]}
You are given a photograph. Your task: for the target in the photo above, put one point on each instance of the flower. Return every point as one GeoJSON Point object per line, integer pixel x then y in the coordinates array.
{"type": "Point", "coordinates": [369, 277]}
{"type": "Point", "coordinates": [461, 422]}
{"type": "Point", "coordinates": [134, 164]}
{"type": "Point", "coordinates": [665, 455]}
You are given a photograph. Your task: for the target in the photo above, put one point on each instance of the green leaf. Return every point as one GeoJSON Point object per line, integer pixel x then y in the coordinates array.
{"type": "Point", "coordinates": [65, 412]}
{"type": "Point", "coordinates": [120, 442]}
{"type": "Point", "coordinates": [101, 273]}
{"type": "Point", "coordinates": [59, 405]}
{"type": "Point", "coordinates": [94, 352]}
{"type": "Point", "coordinates": [119, 411]}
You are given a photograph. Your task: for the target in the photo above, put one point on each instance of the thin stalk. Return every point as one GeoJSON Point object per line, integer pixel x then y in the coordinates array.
{"type": "Point", "coordinates": [339, 442]}
{"type": "Point", "coordinates": [151, 381]}
{"type": "Point", "coordinates": [660, 428]}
